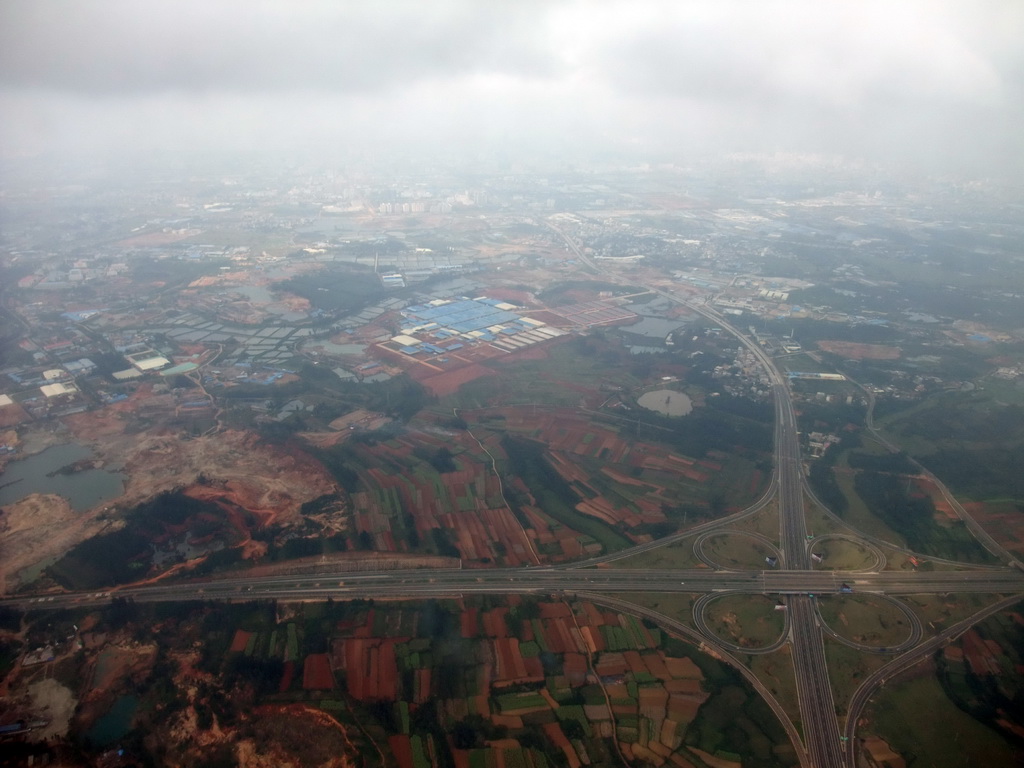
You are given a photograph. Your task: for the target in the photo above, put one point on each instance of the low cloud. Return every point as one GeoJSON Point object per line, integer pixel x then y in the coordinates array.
{"type": "Point", "coordinates": [940, 84]}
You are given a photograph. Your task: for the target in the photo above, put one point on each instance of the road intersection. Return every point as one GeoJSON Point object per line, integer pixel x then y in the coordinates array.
{"type": "Point", "coordinates": [794, 584]}
{"type": "Point", "coordinates": [822, 740]}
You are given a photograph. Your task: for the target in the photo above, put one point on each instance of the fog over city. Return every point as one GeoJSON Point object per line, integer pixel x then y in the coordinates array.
{"type": "Point", "coordinates": [933, 86]}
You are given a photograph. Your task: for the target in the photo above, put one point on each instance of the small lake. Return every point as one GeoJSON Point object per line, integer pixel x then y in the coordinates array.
{"type": "Point", "coordinates": [667, 402]}
{"type": "Point", "coordinates": [654, 327]}
{"type": "Point", "coordinates": [114, 725]}
{"type": "Point", "coordinates": [41, 474]}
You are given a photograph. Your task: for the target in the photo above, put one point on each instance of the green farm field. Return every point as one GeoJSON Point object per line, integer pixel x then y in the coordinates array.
{"type": "Point", "coordinates": [746, 620]}
{"type": "Point", "coordinates": [864, 619]}
{"type": "Point", "coordinates": [947, 738]}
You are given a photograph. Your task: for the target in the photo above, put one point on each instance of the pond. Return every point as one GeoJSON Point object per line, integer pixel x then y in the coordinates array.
{"type": "Point", "coordinates": [116, 723]}
{"type": "Point", "coordinates": [51, 471]}
{"type": "Point", "coordinates": [653, 327]}
{"type": "Point", "coordinates": [667, 402]}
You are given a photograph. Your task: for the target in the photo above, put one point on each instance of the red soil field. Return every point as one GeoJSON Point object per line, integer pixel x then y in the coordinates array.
{"type": "Point", "coordinates": [494, 622]}
{"type": "Point", "coordinates": [478, 531]}
{"type": "Point", "coordinates": [688, 687]}
{"type": "Point", "coordinates": [550, 318]}
{"type": "Point", "coordinates": [982, 658]}
{"type": "Point", "coordinates": [460, 504]}
{"type": "Point", "coordinates": [316, 673]}
{"type": "Point", "coordinates": [240, 640]}
{"type": "Point", "coordinates": [1002, 521]}
{"type": "Point", "coordinates": [12, 415]}
{"type": "Point", "coordinates": [683, 667]}
{"type": "Point", "coordinates": [575, 668]}
{"type": "Point", "coordinates": [593, 639]}
{"type": "Point", "coordinates": [555, 611]}
{"type": "Point", "coordinates": [287, 676]}
{"type": "Point", "coordinates": [561, 635]}
{"type": "Point", "coordinates": [449, 382]}
{"type": "Point", "coordinates": [401, 748]}
{"type": "Point", "coordinates": [533, 352]}
{"type": "Point", "coordinates": [370, 669]}
{"type": "Point", "coordinates": [511, 666]}
{"type": "Point", "coordinates": [593, 616]}
{"type": "Point", "coordinates": [656, 666]}
{"type": "Point", "coordinates": [611, 665]}
{"type": "Point", "coordinates": [635, 662]}
{"type": "Point", "coordinates": [469, 623]}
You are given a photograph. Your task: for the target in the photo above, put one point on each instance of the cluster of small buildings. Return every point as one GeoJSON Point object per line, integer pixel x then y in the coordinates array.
{"type": "Point", "coordinates": [75, 273]}
{"type": "Point", "coordinates": [43, 391]}
{"type": "Point", "coordinates": [417, 206]}
{"type": "Point", "coordinates": [819, 442]}
{"type": "Point", "coordinates": [745, 376]}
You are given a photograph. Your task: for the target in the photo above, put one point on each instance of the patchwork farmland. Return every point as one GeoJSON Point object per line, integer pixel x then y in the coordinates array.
{"type": "Point", "coordinates": [490, 682]}
{"type": "Point", "coordinates": [564, 486]}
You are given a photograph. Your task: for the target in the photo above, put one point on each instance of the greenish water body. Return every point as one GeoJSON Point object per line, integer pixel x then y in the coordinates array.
{"type": "Point", "coordinates": [667, 402]}
{"type": "Point", "coordinates": [49, 472]}
{"type": "Point", "coordinates": [114, 725]}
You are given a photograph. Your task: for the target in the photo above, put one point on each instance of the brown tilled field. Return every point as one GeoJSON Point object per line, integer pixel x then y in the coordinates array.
{"type": "Point", "coordinates": [448, 383]}
{"type": "Point", "coordinates": [316, 673]}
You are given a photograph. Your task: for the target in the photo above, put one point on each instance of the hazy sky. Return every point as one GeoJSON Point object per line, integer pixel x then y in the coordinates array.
{"type": "Point", "coordinates": [938, 83]}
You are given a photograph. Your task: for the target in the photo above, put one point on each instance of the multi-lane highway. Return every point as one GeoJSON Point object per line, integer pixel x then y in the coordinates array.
{"type": "Point", "coordinates": [817, 705]}
{"type": "Point", "coordinates": [796, 583]}
{"type": "Point", "coordinates": [413, 583]}
{"type": "Point", "coordinates": [817, 709]}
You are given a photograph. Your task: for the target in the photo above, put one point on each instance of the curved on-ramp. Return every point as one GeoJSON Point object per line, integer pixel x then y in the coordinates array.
{"type": "Point", "coordinates": [707, 559]}
{"type": "Point", "coordinates": [870, 547]}
{"type": "Point", "coordinates": [916, 628]}
{"type": "Point", "coordinates": [904, 662]}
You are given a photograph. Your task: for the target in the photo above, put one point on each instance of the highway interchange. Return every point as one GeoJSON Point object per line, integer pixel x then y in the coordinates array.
{"type": "Point", "coordinates": [822, 739]}
{"type": "Point", "coordinates": [795, 583]}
